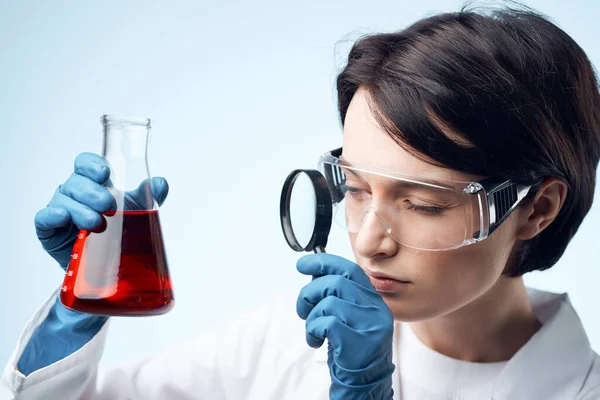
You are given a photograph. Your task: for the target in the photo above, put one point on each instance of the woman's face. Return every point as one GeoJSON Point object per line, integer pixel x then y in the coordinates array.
{"type": "Point", "coordinates": [439, 281]}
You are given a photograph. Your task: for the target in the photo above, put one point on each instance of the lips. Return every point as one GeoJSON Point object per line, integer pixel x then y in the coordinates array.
{"type": "Point", "coordinates": [379, 275]}
{"type": "Point", "coordinates": [386, 284]}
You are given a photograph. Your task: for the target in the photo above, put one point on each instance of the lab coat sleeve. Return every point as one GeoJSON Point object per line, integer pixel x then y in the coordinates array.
{"type": "Point", "coordinates": [593, 394]}
{"type": "Point", "coordinates": [591, 388]}
{"type": "Point", "coordinates": [70, 375]}
{"type": "Point", "coordinates": [219, 364]}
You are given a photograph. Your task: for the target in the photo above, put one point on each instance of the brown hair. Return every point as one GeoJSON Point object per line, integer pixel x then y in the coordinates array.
{"type": "Point", "coordinates": [519, 96]}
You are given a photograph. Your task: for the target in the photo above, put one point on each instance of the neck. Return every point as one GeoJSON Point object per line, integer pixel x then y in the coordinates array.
{"type": "Point", "coordinates": [492, 328]}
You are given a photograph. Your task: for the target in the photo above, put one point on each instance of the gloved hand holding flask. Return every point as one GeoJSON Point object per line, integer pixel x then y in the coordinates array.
{"type": "Point", "coordinates": [81, 204]}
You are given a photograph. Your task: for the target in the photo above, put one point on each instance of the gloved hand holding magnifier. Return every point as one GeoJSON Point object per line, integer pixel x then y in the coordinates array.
{"type": "Point", "coordinates": [339, 304]}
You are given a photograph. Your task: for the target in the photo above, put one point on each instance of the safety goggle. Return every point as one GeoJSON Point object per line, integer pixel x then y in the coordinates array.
{"type": "Point", "coordinates": [419, 213]}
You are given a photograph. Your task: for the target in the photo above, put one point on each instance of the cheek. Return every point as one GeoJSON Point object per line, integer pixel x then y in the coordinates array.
{"type": "Point", "coordinates": [461, 272]}
{"type": "Point", "coordinates": [446, 281]}
{"type": "Point", "coordinates": [443, 281]}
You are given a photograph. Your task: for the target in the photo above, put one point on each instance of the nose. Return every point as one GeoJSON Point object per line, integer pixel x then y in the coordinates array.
{"type": "Point", "coordinates": [373, 239]}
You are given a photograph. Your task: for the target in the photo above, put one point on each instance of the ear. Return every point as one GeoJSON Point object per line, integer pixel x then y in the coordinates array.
{"type": "Point", "coordinates": [540, 211]}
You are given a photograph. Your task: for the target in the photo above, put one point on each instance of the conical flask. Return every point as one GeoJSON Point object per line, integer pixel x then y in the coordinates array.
{"type": "Point", "coordinates": [120, 269]}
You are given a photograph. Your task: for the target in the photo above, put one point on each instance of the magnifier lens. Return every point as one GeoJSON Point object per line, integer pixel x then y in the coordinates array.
{"type": "Point", "coordinates": [303, 209]}
{"type": "Point", "coordinates": [306, 211]}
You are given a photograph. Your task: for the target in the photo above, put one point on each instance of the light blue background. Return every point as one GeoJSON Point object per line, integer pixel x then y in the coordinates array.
{"type": "Point", "coordinates": [240, 93]}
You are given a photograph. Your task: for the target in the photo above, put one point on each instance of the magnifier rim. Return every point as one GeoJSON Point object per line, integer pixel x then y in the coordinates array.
{"type": "Point", "coordinates": [284, 211]}
{"type": "Point", "coordinates": [323, 212]}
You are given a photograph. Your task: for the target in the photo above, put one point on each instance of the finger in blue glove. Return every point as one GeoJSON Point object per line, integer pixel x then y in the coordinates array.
{"type": "Point", "coordinates": [342, 306]}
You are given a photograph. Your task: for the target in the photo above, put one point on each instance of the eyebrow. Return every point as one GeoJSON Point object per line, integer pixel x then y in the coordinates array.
{"type": "Point", "coordinates": [403, 184]}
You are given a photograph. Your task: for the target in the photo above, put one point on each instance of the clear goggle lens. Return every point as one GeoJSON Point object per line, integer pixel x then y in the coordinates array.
{"type": "Point", "coordinates": [423, 215]}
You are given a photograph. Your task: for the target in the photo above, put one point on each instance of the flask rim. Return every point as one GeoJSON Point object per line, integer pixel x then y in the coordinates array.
{"type": "Point", "coordinates": [112, 119]}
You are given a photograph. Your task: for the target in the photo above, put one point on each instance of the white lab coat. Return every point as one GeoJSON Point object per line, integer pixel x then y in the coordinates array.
{"type": "Point", "coordinates": [264, 356]}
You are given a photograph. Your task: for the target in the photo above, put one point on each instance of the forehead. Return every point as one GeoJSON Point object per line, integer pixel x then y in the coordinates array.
{"type": "Point", "coordinates": [365, 142]}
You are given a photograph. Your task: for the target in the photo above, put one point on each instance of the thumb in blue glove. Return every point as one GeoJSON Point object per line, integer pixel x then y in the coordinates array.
{"type": "Point", "coordinates": [342, 306]}
{"type": "Point", "coordinates": [78, 204]}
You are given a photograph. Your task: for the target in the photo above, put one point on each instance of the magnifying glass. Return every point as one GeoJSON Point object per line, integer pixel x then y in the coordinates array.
{"type": "Point", "coordinates": [305, 210]}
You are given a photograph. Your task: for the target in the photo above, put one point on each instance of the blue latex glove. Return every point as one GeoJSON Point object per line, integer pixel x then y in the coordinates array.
{"type": "Point", "coordinates": [76, 205]}
{"type": "Point", "coordinates": [342, 305]}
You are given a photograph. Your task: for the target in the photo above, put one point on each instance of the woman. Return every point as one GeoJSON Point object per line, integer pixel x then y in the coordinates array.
{"type": "Point", "coordinates": [470, 148]}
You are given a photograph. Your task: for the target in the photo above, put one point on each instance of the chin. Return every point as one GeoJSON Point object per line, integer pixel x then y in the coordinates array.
{"type": "Point", "coordinates": [408, 310]}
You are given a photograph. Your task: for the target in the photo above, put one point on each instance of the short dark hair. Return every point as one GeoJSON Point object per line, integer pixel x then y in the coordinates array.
{"type": "Point", "coordinates": [518, 94]}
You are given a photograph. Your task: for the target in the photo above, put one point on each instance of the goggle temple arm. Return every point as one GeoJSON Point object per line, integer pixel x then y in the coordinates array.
{"type": "Point", "coordinates": [503, 196]}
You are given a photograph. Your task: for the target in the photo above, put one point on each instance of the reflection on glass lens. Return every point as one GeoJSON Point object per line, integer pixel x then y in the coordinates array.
{"type": "Point", "coordinates": [303, 206]}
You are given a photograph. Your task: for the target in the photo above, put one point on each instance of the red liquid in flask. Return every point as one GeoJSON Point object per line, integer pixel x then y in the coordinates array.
{"type": "Point", "coordinates": [121, 270]}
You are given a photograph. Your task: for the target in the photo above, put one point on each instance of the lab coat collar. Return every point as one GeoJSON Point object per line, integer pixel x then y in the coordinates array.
{"type": "Point", "coordinates": [555, 360]}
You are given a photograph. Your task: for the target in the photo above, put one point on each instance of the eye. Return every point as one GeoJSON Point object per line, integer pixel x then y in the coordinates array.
{"type": "Point", "coordinates": [354, 191]}
{"type": "Point", "coordinates": [430, 210]}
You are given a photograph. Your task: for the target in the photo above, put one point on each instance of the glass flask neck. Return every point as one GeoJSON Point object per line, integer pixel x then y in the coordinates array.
{"type": "Point", "coordinates": [125, 148]}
